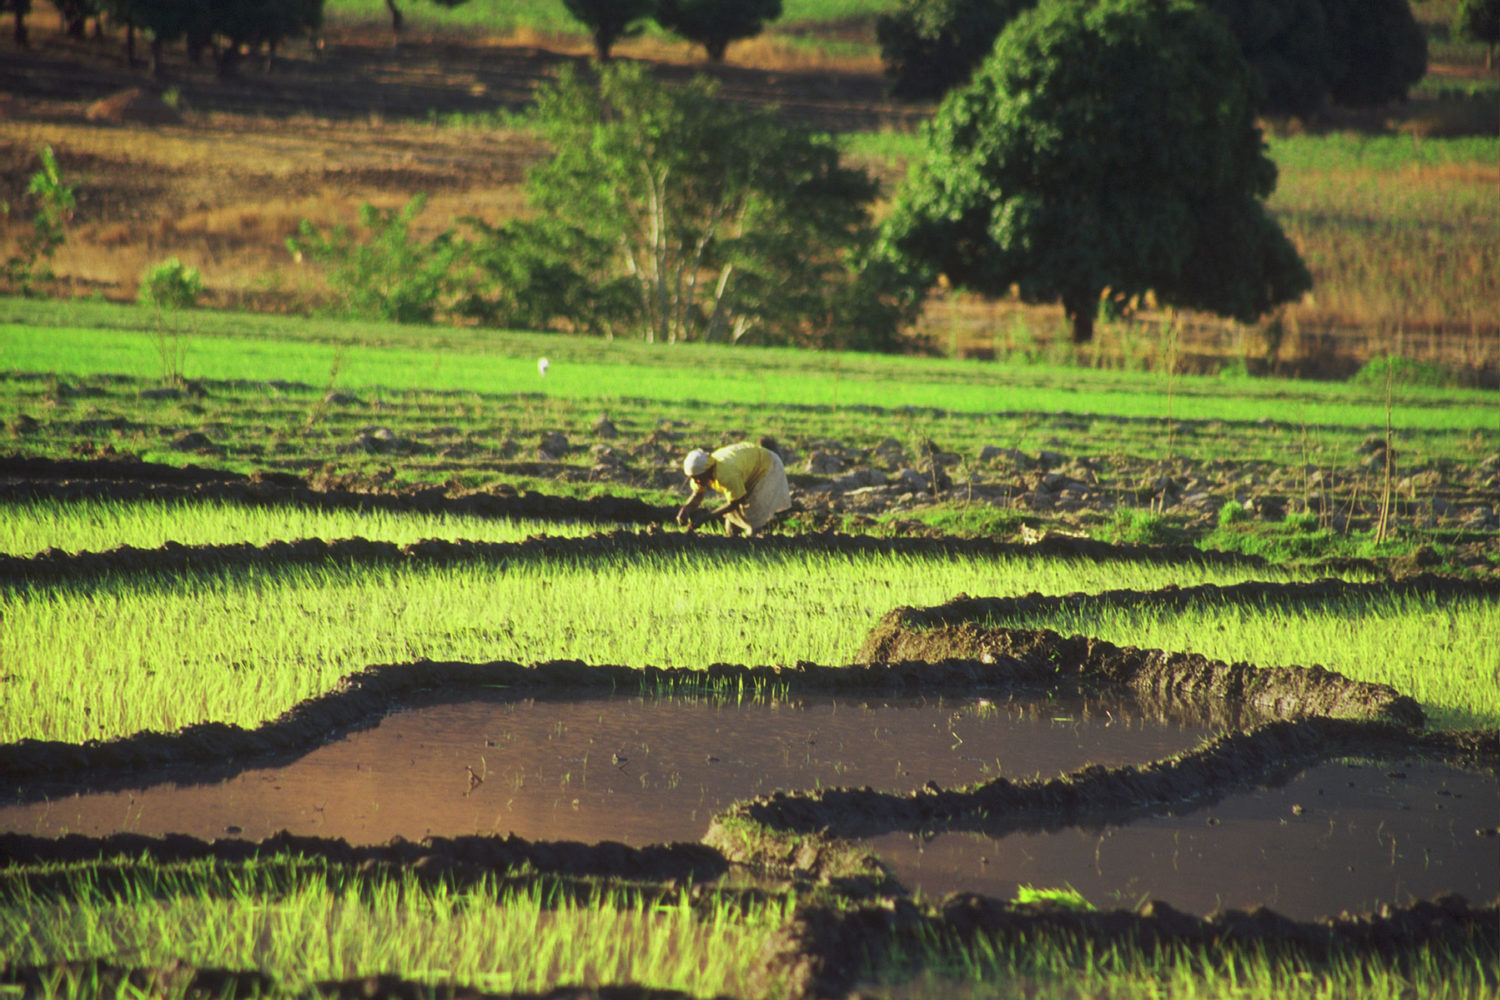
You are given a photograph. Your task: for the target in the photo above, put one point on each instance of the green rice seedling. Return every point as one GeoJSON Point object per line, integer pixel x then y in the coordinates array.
{"type": "Point", "coordinates": [99, 525]}
{"type": "Point", "coordinates": [1441, 653]}
{"type": "Point", "coordinates": [242, 647]}
{"type": "Point", "coordinates": [1067, 897]}
{"type": "Point", "coordinates": [1054, 967]}
{"type": "Point", "coordinates": [299, 924]}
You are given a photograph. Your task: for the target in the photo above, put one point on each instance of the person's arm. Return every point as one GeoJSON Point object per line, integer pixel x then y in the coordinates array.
{"type": "Point", "coordinates": [683, 517]}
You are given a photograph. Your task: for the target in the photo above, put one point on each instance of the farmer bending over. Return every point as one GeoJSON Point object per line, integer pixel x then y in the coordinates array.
{"type": "Point", "coordinates": [750, 477]}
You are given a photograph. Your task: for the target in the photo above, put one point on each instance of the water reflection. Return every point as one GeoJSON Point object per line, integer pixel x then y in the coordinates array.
{"type": "Point", "coordinates": [633, 769]}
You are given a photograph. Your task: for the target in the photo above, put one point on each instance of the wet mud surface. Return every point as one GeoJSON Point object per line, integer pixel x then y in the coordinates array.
{"type": "Point", "coordinates": [1337, 837]}
{"type": "Point", "coordinates": [634, 769]}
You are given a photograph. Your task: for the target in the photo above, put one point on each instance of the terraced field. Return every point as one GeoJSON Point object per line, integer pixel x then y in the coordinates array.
{"type": "Point", "coordinates": [328, 672]}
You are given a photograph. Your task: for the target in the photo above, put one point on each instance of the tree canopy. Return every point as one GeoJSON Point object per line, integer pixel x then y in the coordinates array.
{"type": "Point", "coordinates": [1303, 52]}
{"type": "Point", "coordinates": [668, 211]}
{"type": "Point", "coordinates": [1106, 144]}
{"type": "Point", "coordinates": [1479, 21]}
{"type": "Point", "coordinates": [715, 23]}
{"type": "Point", "coordinates": [609, 21]}
{"type": "Point", "coordinates": [928, 47]}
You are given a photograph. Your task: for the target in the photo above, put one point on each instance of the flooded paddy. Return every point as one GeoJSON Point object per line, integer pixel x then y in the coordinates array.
{"type": "Point", "coordinates": [639, 770]}
{"type": "Point", "coordinates": [1337, 837]}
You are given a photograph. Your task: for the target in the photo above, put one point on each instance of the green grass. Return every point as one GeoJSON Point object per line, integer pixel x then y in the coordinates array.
{"type": "Point", "coordinates": [1442, 653]}
{"type": "Point", "coordinates": [299, 922]}
{"type": "Point", "coordinates": [245, 646]}
{"type": "Point", "coordinates": [1053, 969]}
{"type": "Point", "coordinates": [81, 339]}
{"type": "Point", "coordinates": [97, 525]}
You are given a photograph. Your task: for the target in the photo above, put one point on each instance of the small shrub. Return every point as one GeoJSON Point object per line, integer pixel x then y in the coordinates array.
{"type": "Point", "coordinates": [1140, 527]}
{"type": "Point", "coordinates": [387, 274]}
{"type": "Point", "coordinates": [170, 285]}
{"type": "Point", "coordinates": [1233, 512]}
{"type": "Point", "coordinates": [1404, 371]}
{"type": "Point", "coordinates": [55, 201]}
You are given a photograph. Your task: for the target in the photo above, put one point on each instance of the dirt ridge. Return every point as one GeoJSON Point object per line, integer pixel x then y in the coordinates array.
{"type": "Point", "coordinates": [431, 857]}
{"type": "Point", "coordinates": [23, 478]}
{"type": "Point", "coordinates": [964, 609]}
{"type": "Point", "coordinates": [182, 979]}
{"type": "Point", "coordinates": [234, 984]}
{"type": "Point", "coordinates": [1093, 795]}
{"type": "Point", "coordinates": [54, 566]}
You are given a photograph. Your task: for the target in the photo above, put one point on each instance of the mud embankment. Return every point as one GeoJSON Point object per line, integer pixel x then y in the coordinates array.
{"type": "Point", "coordinates": [1093, 796]}
{"type": "Point", "coordinates": [54, 566]}
{"type": "Point", "coordinates": [24, 479]}
{"type": "Point", "coordinates": [181, 979]}
{"type": "Point", "coordinates": [957, 629]}
{"type": "Point", "coordinates": [465, 860]}
{"type": "Point", "coordinates": [1286, 596]}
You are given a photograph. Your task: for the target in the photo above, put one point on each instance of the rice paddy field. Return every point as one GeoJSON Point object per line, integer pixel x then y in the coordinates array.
{"type": "Point", "coordinates": [157, 589]}
{"type": "Point", "coordinates": [265, 570]}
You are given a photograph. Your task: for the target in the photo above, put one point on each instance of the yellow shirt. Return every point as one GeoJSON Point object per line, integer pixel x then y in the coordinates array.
{"type": "Point", "coordinates": [739, 467]}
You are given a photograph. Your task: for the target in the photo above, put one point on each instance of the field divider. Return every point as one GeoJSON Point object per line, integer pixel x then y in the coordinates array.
{"type": "Point", "coordinates": [54, 566]}
{"type": "Point", "coordinates": [464, 859]}
{"type": "Point", "coordinates": [1285, 595]}
{"type": "Point", "coordinates": [1094, 796]}
{"type": "Point", "coordinates": [23, 479]}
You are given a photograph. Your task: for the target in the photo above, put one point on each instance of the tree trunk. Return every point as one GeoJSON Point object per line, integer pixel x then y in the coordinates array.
{"type": "Point", "coordinates": [23, 40]}
{"type": "Point", "coordinates": [397, 21]}
{"type": "Point", "coordinates": [1080, 310]}
{"type": "Point", "coordinates": [158, 64]}
{"type": "Point", "coordinates": [716, 49]}
{"type": "Point", "coordinates": [602, 45]}
{"type": "Point", "coordinates": [130, 59]}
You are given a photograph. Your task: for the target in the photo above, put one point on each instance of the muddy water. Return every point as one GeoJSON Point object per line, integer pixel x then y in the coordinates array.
{"type": "Point", "coordinates": [633, 769]}
{"type": "Point", "coordinates": [1337, 837]}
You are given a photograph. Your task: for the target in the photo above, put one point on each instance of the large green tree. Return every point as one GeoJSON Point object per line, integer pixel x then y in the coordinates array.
{"type": "Point", "coordinates": [713, 24]}
{"type": "Point", "coordinates": [610, 20]}
{"type": "Point", "coordinates": [398, 19]}
{"type": "Point", "coordinates": [1303, 52]}
{"type": "Point", "coordinates": [1479, 21]}
{"type": "Point", "coordinates": [1106, 144]}
{"type": "Point", "coordinates": [928, 47]}
{"type": "Point", "coordinates": [668, 211]}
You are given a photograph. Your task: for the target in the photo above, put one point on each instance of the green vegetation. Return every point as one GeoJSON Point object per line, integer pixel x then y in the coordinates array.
{"type": "Point", "coordinates": [80, 339]}
{"type": "Point", "coordinates": [669, 213]}
{"type": "Point", "coordinates": [1165, 199]}
{"type": "Point", "coordinates": [1440, 652]}
{"type": "Point", "coordinates": [300, 922]}
{"type": "Point", "coordinates": [386, 274]}
{"type": "Point", "coordinates": [1060, 969]}
{"type": "Point", "coordinates": [714, 24]}
{"type": "Point", "coordinates": [242, 647]}
{"type": "Point", "coordinates": [100, 525]}
{"type": "Point", "coordinates": [54, 200]}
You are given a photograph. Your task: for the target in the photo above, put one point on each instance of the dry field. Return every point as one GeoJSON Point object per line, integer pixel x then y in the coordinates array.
{"type": "Point", "coordinates": [357, 120]}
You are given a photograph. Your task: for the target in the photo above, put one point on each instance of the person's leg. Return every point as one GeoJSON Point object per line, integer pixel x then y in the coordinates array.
{"type": "Point", "coordinates": [735, 524]}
